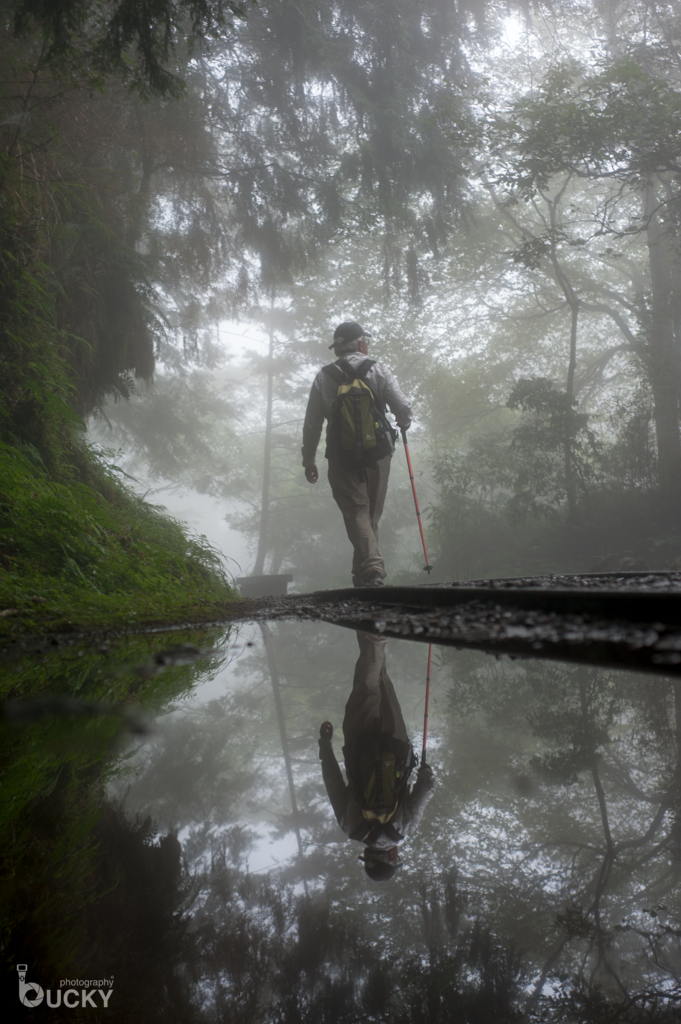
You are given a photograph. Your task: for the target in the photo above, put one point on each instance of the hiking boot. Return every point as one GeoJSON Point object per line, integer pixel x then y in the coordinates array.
{"type": "Point", "coordinates": [376, 580]}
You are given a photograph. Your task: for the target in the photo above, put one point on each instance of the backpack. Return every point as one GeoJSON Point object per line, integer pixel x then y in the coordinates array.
{"type": "Point", "coordinates": [381, 781]}
{"type": "Point", "coordinates": [381, 777]}
{"type": "Point", "coordinates": [359, 433]}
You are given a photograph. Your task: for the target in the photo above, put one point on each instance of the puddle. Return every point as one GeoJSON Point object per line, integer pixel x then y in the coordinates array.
{"type": "Point", "coordinates": [170, 850]}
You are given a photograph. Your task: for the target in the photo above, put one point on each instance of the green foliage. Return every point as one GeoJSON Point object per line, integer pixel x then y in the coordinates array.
{"type": "Point", "coordinates": [36, 386]}
{"type": "Point", "coordinates": [133, 41]}
{"type": "Point", "coordinates": [357, 114]}
{"type": "Point", "coordinates": [621, 122]}
{"type": "Point", "coordinates": [480, 979]}
{"type": "Point", "coordinates": [501, 506]}
{"type": "Point", "coordinates": [537, 448]}
{"type": "Point", "coordinates": [76, 316]}
{"type": "Point", "coordinates": [490, 493]}
{"type": "Point", "coordinates": [595, 151]}
{"type": "Point", "coordinates": [92, 553]}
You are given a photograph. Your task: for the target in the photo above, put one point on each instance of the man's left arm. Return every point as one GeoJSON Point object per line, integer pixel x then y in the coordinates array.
{"type": "Point", "coordinates": [398, 403]}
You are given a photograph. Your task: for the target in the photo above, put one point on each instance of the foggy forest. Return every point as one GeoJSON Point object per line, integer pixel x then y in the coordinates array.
{"type": "Point", "coordinates": [194, 194]}
{"type": "Point", "coordinates": [491, 190]}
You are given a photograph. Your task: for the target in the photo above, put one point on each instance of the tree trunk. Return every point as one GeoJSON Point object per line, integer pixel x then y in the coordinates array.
{"type": "Point", "coordinates": [265, 502]}
{"type": "Point", "coordinates": [663, 356]}
{"type": "Point", "coordinates": [276, 689]}
{"type": "Point", "coordinates": [675, 788]}
{"type": "Point", "coordinates": [573, 303]}
{"type": "Point", "coordinates": [141, 202]}
{"type": "Point", "coordinates": [570, 489]}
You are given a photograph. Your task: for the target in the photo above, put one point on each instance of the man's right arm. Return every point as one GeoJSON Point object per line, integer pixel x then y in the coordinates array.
{"type": "Point", "coordinates": [312, 427]}
{"type": "Point", "coordinates": [422, 791]}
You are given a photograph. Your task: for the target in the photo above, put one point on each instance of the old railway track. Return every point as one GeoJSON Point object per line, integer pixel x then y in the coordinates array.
{"type": "Point", "coordinates": [620, 620]}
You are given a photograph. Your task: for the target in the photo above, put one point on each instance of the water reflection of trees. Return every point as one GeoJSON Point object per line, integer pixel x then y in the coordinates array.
{"type": "Point", "coordinates": [542, 886]}
{"type": "Point", "coordinates": [554, 835]}
{"type": "Point", "coordinates": [589, 827]}
{"type": "Point", "coordinates": [529, 895]}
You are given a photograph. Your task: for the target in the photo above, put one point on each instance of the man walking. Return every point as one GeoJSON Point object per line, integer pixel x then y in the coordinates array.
{"type": "Point", "coordinates": [352, 395]}
{"type": "Point", "coordinates": [376, 807]}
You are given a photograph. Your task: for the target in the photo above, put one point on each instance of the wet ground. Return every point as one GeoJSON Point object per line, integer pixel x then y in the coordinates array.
{"type": "Point", "coordinates": [628, 620]}
{"type": "Point", "coordinates": [170, 849]}
{"type": "Point", "coordinates": [603, 581]}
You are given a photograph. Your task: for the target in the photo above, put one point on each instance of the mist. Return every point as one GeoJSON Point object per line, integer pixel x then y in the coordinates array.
{"type": "Point", "coordinates": [521, 288]}
{"type": "Point", "coordinates": [208, 210]}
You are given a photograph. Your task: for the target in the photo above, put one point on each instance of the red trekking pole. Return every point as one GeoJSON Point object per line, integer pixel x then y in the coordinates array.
{"type": "Point", "coordinates": [427, 568]}
{"type": "Point", "coordinates": [425, 716]}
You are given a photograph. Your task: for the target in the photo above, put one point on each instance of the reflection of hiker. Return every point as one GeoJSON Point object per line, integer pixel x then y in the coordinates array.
{"type": "Point", "coordinates": [352, 395]}
{"type": "Point", "coordinates": [376, 807]}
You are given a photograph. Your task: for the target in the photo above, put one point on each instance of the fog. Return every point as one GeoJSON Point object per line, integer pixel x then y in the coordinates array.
{"type": "Point", "coordinates": [522, 290]}
{"type": "Point", "coordinates": [198, 203]}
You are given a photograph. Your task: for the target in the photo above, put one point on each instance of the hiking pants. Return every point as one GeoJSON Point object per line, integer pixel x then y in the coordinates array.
{"type": "Point", "coordinates": [372, 708]}
{"type": "Point", "coordinates": [360, 495]}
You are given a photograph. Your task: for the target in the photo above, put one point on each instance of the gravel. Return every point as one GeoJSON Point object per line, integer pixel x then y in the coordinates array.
{"type": "Point", "coordinates": [503, 629]}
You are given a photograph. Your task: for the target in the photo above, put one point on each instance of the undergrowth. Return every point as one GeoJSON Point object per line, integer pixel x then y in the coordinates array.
{"type": "Point", "coordinates": [83, 551]}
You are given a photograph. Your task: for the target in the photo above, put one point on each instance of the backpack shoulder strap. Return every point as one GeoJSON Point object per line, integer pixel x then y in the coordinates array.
{"type": "Point", "coordinates": [356, 371]}
{"type": "Point", "coordinates": [335, 371]}
{"type": "Point", "coordinates": [363, 832]}
{"type": "Point", "coordinates": [364, 368]}
{"type": "Point", "coordinates": [368, 833]}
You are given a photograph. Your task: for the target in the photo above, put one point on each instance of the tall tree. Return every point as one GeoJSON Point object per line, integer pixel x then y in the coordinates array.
{"type": "Point", "coordinates": [617, 126]}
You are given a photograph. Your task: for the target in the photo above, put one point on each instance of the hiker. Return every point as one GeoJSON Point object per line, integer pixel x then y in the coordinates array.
{"type": "Point", "coordinates": [352, 395]}
{"type": "Point", "coordinates": [376, 806]}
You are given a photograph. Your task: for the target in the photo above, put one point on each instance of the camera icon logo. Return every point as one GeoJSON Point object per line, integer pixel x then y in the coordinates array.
{"type": "Point", "coordinates": [30, 993]}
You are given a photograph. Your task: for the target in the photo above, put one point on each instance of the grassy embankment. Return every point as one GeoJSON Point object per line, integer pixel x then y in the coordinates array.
{"type": "Point", "coordinates": [81, 551]}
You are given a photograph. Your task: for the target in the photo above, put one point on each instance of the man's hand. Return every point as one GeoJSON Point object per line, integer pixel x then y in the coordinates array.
{"type": "Point", "coordinates": [326, 731]}
{"type": "Point", "coordinates": [311, 474]}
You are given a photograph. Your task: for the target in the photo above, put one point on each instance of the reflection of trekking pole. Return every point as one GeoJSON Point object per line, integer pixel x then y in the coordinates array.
{"type": "Point", "coordinates": [427, 568]}
{"type": "Point", "coordinates": [425, 716]}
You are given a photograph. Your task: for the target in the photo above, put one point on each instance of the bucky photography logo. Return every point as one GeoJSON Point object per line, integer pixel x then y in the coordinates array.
{"type": "Point", "coordinates": [30, 993]}
{"type": "Point", "coordinates": [78, 992]}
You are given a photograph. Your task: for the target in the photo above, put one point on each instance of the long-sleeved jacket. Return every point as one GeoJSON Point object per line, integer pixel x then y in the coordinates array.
{"type": "Point", "coordinates": [323, 393]}
{"type": "Point", "coordinates": [348, 811]}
